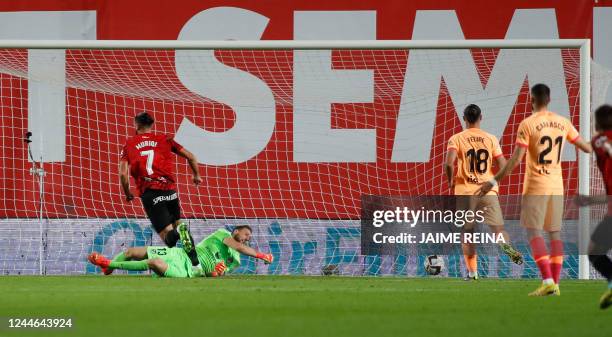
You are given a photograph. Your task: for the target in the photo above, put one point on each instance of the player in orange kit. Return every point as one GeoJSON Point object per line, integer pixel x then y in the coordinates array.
{"type": "Point", "coordinates": [475, 150]}
{"type": "Point", "coordinates": [542, 136]}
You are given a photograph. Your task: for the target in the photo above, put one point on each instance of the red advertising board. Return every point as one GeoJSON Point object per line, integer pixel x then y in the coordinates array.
{"type": "Point", "coordinates": [271, 184]}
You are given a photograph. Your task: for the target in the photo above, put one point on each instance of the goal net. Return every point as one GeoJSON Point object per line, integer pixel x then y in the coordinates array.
{"type": "Point", "coordinates": [290, 137]}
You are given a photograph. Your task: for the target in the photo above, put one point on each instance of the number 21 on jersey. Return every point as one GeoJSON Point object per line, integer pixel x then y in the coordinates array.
{"type": "Point", "coordinates": [548, 142]}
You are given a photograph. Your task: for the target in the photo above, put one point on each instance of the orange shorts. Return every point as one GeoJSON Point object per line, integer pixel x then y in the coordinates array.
{"type": "Point", "coordinates": [542, 212]}
{"type": "Point", "coordinates": [488, 204]}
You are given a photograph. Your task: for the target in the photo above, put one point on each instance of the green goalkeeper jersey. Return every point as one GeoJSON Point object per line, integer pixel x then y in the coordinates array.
{"type": "Point", "coordinates": [212, 250]}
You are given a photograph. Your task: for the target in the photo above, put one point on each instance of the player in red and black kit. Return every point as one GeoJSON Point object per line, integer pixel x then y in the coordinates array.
{"type": "Point", "coordinates": [601, 239]}
{"type": "Point", "coordinates": [149, 159]}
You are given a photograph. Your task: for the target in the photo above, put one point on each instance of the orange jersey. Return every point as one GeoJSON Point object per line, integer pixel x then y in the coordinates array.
{"type": "Point", "coordinates": [476, 150]}
{"type": "Point", "coordinates": [543, 134]}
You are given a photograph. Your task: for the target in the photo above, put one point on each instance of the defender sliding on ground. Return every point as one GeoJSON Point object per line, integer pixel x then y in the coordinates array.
{"type": "Point", "coordinates": [217, 254]}
{"type": "Point", "coordinates": [474, 150]}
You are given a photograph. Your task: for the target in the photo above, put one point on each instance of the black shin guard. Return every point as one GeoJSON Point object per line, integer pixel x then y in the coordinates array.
{"type": "Point", "coordinates": [603, 264]}
{"type": "Point", "coordinates": [171, 238]}
{"type": "Point", "coordinates": [193, 256]}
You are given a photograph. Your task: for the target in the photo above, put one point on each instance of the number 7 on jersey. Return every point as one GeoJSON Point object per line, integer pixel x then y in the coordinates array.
{"type": "Point", "coordinates": [150, 155]}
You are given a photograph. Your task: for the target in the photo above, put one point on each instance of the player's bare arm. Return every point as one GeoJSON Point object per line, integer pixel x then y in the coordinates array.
{"type": "Point", "coordinates": [124, 169]}
{"type": "Point", "coordinates": [193, 164]}
{"type": "Point", "coordinates": [501, 162]}
{"type": "Point", "coordinates": [583, 145]}
{"type": "Point", "coordinates": [246, 250]}
{"type": "Point", "coordinates": [505, 170]}
{"type": "Point", "coordinates": [583, 200]}
{"type": "Point", "coordinates": [449, 167]}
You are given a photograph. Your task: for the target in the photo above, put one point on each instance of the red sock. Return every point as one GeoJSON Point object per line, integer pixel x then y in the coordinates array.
{"type": "Point", "coordinates": [556, 259]}
{"type": "Point", "coordinates": [540, 255]}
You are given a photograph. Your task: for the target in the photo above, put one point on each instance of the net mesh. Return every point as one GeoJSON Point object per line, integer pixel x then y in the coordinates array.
{"type": "Point", "coordinates": [305, 210]}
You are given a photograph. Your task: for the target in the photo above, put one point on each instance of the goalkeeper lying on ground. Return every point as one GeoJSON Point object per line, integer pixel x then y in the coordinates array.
{"type": "Point", "coordinates": [218, 253]}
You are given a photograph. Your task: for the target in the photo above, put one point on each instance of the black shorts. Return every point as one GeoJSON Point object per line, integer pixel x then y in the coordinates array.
{"type": "Point", "coordinates": [162, 207]}
{"type": "Point", "coordinates": [602, 235]}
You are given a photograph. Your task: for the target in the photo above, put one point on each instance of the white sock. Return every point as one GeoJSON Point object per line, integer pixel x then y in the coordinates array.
{"type": "Point", "coordinates": [548, 281]}
{"type": "Point", "coordinates": [473, 274]}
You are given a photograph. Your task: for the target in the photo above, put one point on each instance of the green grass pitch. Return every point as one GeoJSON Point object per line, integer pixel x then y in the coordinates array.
{"type": "Point", "coordinates": [271, 306]}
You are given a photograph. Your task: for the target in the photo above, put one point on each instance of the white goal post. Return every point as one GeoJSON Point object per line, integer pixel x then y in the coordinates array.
{"type": "Point", "coordinates": [583, 45]}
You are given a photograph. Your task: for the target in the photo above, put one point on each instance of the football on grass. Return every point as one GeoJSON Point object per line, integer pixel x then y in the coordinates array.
{"type": "Point", "coordinates": [434, 264]}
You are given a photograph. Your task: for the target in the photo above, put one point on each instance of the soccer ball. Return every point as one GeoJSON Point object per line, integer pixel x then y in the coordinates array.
{"type": "Point", "coordinates": [434, 264]}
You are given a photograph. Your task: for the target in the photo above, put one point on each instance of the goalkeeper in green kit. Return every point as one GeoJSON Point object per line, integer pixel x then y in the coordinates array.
{"type": "Point", "coordinates": [217, 254]}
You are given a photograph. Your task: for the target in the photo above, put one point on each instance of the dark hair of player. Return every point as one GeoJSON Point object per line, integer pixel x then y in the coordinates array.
{"type": "Point", "coordinates": [237, 228]}
{"type": "Point", "coordinates": [472, 113]}
{"type": "Point", "coordinates": [603, 118]}
{"type": "Point", "coordinates": [540, 93]}
{"type": "Point", "coordinates": [143, 119]}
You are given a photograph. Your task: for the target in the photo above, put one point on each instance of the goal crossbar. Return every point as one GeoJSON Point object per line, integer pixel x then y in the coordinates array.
{"type": "Point", "coordinates": [295, 44]}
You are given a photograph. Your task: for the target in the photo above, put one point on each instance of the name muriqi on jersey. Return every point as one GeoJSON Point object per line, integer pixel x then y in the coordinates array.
{"type": "Point", "coordinates": [150, 143]}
